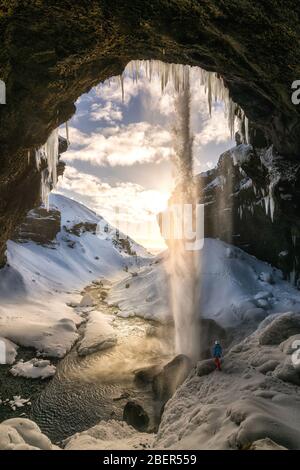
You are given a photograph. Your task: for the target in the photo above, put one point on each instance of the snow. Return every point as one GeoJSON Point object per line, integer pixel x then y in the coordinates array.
{"type": "Point", "coordinates": [17, 402]}
{"type": "Point", "coordinates": [242, 404]}
{"type": "Point", "coordinates": [33, 369]}
{"type": "Point", "coordinates": [144, 295]}
{"type": "Point", "coordinates": [234, 286]}
{"type": "Point", "coordinates": [241, 153]}
{"type": "Point", "coordinates": [8, 351]}
{"type": "Point", "coordinates": [38, 282]}
{"type": "Point", "coordinates": [110, 435]}
{"type": "Point", "coordinates": [23, 434]}
{"type": "Point", "coordinates": [98, 334]}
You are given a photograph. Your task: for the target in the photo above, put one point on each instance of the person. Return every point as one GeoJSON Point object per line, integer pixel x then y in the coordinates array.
{"type": "Point", "coordinates": [217, 353]}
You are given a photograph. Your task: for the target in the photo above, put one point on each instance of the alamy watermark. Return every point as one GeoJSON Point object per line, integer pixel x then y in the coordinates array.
{"type": "Point", "coordinates": [180, 222]}
{"type": "Point", "coordinates": [2, 92]}
{"type": "Point", "coordinates": [296, 93]}
{"type": "Point", "coordinates": [2, 352]}
{"type": "Point", "coordinates": [296, 353]}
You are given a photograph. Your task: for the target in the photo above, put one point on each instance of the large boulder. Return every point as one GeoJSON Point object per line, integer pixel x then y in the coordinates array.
{"type": "Point", "coordinates": [40, 226]}
{"type": "Point", "coordinates": [135, 415]}
{"type": "Point", "coordinates": [173, 374]}
{"type": "Point", "coordinates": [280, 329]}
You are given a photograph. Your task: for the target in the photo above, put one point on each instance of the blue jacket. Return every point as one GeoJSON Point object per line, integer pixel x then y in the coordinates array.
{"type": "Point", "coordinates": [217, 351]}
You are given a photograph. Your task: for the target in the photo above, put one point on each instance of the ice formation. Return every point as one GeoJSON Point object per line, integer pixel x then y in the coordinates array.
{"type": "Point", "coordinates": [176, 75]}
{"type": "Point", "coordinates": [48, 153]}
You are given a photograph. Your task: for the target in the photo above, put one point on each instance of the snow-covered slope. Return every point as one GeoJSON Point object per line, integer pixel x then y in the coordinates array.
{"type": "Point", "coordinates": [255, 396]}
{"type": "Point", "coordinates": [39, 281]}
{"type": "Point", "coordinates": [235, 287]}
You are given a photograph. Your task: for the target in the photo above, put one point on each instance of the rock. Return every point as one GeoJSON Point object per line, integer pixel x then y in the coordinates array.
{"type": "Point", "coordinates": [268, 366]}
{"type": "Point", "coordinates": [280, 329]}
{"type": "Point", "coordinates": [288, 372]}
{"type": "Point", "coordinates": [136, 416]}
{"type": "Point", "coordinates": [255, 314]}
{"type": "Point", "coordinates": [173, 374]}
{"type": "Point", "coordinates": [146, 375]}
{"type": "Point", "coordinates": [290, 345]}
{"type": "Point", "coordinates": [210, 331]}
{"type": "Point", "coordinates": [87, 301]}
{"type": "Point", "coordinates": [205, 367]}
{"type": "Point", "coordinates": [266, 444]}
{"type": "Point", "coordinates": [40, 226]}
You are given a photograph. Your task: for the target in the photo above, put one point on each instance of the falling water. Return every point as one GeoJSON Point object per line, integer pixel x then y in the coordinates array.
{"type": "Point", "coordinates": [184, 264]}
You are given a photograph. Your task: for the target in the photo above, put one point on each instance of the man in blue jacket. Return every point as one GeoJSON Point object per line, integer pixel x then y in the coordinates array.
{"type": "Point", "coordinates": [217, 353]}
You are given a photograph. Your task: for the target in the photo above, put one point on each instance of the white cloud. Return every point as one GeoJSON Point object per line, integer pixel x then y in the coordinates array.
{"type": "Point", "coordinates": [121, 145]}
{"type": "Point", "coordinates": [128, 205]}
{"type": "Point", "coordinates": [110, 112]}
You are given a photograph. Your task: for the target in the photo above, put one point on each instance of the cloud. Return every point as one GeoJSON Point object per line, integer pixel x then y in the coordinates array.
{"type": "Point", "coordinates": [110, 112]}
{"type": "Point", "coordinates": [130, 206]}
{"type": "Point", "coordinates": [121, 145]}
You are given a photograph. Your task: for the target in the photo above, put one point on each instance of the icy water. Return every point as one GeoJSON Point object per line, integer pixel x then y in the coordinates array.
{"type": "Point", "coordinates": [96, 387]}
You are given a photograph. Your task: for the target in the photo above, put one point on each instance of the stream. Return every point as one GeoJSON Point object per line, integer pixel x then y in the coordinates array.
{"type": "Point", "coordinates": [86, 390]}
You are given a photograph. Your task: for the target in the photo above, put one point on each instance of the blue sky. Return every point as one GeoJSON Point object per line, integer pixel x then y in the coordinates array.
{"type": "Point", "coordinates": [121, 152]}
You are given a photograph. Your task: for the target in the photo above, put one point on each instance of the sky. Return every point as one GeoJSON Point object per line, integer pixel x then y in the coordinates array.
{"type": "Point", "coordinates": [120, 161]}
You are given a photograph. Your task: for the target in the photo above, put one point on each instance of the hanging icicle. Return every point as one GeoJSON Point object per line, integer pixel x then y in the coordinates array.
{"type": "Point", "coordinates": [67, 133]}
{"type": "Point", "coordinates": [175, 74]}
{"type": "Point", "coordinates": [49, 153]}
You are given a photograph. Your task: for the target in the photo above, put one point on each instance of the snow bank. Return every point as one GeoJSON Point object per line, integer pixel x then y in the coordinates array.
{"type": "Point", "coordinates": [8, 351]}
{"type": "Point", "coordinates": [98, 334]}
{"type": "Point", "coordinates": [235, 288]}
{"type": "Point", "coordinates": [33, 369]}
{"type": "Point", "coordinates": [39, 328]}
{"type": "Point", "coordinates": [39, 281]}
{"type": "Point", "coordinates": [110, 435]}
{"type": "Point", "coordinates": [235, 408]}
{"type": "Point", "coordinates": [23, 434]}
{"type": "Point", "coordinates": [144, 295]}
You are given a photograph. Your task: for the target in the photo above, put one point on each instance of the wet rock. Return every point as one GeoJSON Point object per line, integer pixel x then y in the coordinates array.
{"type": "Point", "coordinates": [135, 415]}
{"type": "Point", "coordinates": [266, 444]}
{"type": "Point", "coordinates": [280, 329]}
{"type": "Point", "coordinates": [210, 332]}
{"type": "Point", "coordinates": [173, 374]}
{"type": "Point", "coordinates": [146, 375]}
{"type": "Point", "coordinates": [205, 367]}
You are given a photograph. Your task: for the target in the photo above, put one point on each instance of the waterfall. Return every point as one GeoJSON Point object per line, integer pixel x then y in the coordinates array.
{"type": "Point", "coordinates": [184, 264]}
{"type": "Point", "coordinates": [49, 154]}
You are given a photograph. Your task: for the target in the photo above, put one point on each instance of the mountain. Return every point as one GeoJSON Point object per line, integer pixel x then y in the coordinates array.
{"type": "Point", "coordinates": [53, 256]}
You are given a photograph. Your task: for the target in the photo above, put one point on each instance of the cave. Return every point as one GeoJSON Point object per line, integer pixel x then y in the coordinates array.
{"type": "Point", "coordinates": [54, 52]}
{"type": "Point", "coordinates": [67, 48]}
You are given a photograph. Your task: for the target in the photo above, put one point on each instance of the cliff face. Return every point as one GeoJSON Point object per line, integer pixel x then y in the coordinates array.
{"type": "Point", "coordinates": [52, 52]}
{"type": "Point", "coordinates": [252, 200]}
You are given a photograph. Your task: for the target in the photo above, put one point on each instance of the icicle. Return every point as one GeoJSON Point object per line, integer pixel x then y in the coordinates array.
{"type": "Point", "coordinates": [49, 153]}
{"type": "Point", "coordinates": [247, 129]}
{"type": "Point", "coordinates": [67, 133]}
{"type": "Point", "coordinates": [122, 87]}
{"type": "Point", "coordinates": [176, 75]}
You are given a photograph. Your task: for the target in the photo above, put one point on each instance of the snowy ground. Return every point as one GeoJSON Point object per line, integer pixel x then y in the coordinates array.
{"type": "Point", "coordinates": [235, 288]}
{"type": "Point", "coordinates": [255, 396]}
{"type": "Point", "coordinates": [255, 399]}
{"type": "Point", "coordinates": [39, 281]}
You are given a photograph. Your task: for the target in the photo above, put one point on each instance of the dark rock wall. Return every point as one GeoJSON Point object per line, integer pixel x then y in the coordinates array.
{"type": "Point", "coordinates": [51, 52]}
{"type": "Point", "coordinates": [40, 226]}
{"type": "Point", "coordinates": [238, 196]}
